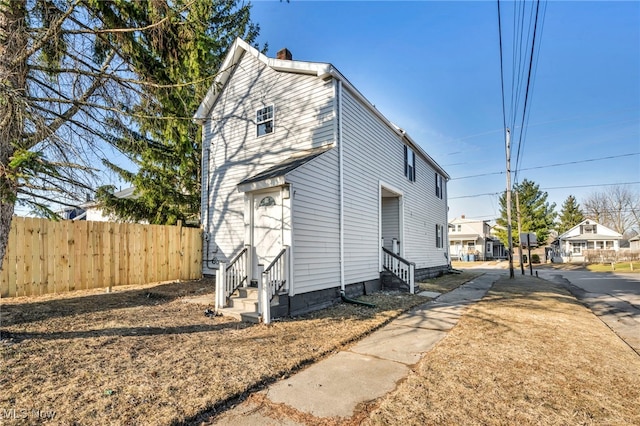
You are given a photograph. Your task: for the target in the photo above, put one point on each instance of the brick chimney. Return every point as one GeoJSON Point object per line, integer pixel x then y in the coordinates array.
{"type": "Point", "coordinates": [284, 54]}
{"type": "Point", "coordinates": [462, 217]}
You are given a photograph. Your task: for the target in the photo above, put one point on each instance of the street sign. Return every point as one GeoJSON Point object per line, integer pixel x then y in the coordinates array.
{"type": "Point", "coordinates": [528, 240]}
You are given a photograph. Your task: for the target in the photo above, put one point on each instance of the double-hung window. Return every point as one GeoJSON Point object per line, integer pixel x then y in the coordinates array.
{"type": "Point", "coordinates": [264, 120]}
{"type": "Point", "coordinates": [409, 164]}
{"type": "Point", "coordinates": [439, 187]}
{"type": "Point", "coordinates": [439, 236]}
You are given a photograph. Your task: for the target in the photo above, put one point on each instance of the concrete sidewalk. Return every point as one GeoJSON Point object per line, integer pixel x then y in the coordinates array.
{"type": "Point", "coordinates": [335, 386]}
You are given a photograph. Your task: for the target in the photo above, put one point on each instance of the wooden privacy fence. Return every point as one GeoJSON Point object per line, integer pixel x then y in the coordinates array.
{"type": "Point", "coordinates": [45, 257]}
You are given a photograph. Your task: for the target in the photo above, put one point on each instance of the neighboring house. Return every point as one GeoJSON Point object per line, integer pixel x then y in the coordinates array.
{"type": "Point", "coordinates": [95, 213]}
{"type": "Point", "coordinates": [72, 213]}
{"type": "Point", "coordinates": [471, 240]}
{"type": "Point", "coordinates": [302, 175]}
{"type": "Point", "coordinates": [634, 243]}
{"type": "Point", "coordinates": [575, 244]}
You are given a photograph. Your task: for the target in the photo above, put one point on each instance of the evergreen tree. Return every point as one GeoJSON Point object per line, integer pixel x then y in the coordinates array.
{"type": "Point", "coordinates": [78, 75]}
{"type": "Point", "coordinates": [570, 215]}
{"type": "Point", "coordinates": [536, 214]}
{"type": "Point", "coordinates": [164, 143]}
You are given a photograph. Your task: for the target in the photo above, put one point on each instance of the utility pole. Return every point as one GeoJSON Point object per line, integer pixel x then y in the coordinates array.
{"type": "Point", "coordinates": [509, 236]}
{"type": "Point", "coordinates": [519, 232]}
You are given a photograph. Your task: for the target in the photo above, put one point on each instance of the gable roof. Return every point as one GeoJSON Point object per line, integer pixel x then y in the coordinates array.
{"type": "Point", "coordinates": [564, 236]}
{"type": "Point", "coordinates": [461, 220]}
{"type": "Point", "coordinates": [274, 176]}
{"type": "Point", "coordinates": [319, 70]}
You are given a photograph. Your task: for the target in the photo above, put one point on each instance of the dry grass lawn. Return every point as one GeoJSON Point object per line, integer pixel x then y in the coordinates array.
{"type": "Point", "coordinates": [140, 355]}
{"type": "Point", "coordinates": [448, 282]}
{"type": "Point", "coordinates": [527, 354]}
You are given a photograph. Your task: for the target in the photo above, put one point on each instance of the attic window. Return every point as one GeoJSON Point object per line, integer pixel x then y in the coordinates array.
{"type": "Point", "coordinates": [264, 120]}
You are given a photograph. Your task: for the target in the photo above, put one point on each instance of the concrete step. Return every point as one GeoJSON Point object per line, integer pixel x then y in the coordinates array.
{"type": "Point", "coordinates": [248, 292]}
{"type": "Point", "coordinates": [244, 303]}
{"type": "Point", "coordinates": [240, 314]}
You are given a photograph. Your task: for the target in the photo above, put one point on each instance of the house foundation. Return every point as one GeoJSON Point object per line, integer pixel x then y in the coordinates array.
{"type": "Point", "coordinates": [304, 303]}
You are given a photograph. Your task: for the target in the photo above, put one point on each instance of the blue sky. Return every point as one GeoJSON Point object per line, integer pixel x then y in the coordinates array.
{"type": "Point", "coordinates": [433, 68]}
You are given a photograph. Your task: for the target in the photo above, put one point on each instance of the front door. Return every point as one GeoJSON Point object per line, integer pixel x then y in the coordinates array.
{"type": "Point", "coordinates": [267, 226]}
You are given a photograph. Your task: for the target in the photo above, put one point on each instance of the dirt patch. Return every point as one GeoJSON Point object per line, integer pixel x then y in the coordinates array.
{"type": "Point", "coordinates": [140, 355]}
{"type": "Point", "coordinates": [528, 353]}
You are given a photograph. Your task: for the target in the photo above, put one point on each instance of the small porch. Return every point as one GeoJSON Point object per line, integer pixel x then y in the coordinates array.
{"type": "Point", "coordinates": [249, 291]}
{"type": "Point", "coordinates": [466, 248]}
{"type": "Point", "coordinates": [579, 249]}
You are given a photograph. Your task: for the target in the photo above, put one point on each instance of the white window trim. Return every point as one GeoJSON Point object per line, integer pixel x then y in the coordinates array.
{"type": "Point", "coordinates": [272, 119]}
{"type": "Point", "coordinates": [409, 163]}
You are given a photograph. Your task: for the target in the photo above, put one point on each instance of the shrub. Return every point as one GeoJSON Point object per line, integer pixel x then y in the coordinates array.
{"type": "Point", "coordinates": [535, 258]}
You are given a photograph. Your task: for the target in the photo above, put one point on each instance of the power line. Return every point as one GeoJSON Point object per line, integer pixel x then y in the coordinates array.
{"type": "Point", "coordinates": [550, 188]}
{"type": "Point", "coordinates": [521, 140]}
{"type": "Point", "coordinates": [551, 165]}
{"type": "Point", "coordinates": [590, 186]}
{"type": "Point", "coordinates": [475, 195]}
{"type": "Point", "coordinates": [504, 117]}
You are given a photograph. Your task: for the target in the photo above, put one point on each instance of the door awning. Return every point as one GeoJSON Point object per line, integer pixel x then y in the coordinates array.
{"type": "Point", "coordinates": [275, 175]}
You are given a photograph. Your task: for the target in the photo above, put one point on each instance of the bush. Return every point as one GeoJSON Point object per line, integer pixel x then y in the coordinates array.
{"type": "Point", "coordinates": [535, 258]}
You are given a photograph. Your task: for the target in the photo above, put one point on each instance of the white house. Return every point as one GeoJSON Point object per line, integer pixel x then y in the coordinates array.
{"type": "Point", "coordinates": [473, 240]}
{"type": "Point", "coordinates": [91, 210]}
{"type": "Point", "coordinates": [304, 176]}
{"type": "Point", "coordinates": [573, 245]}
{"type": "Point", "coordinates": [94, 211]}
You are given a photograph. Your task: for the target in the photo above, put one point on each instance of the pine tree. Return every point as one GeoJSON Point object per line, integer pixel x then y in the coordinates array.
{"type": "Point", "coordinates": [165, 144]}
{"type": "Point", "coordinates": [570, 215]}
{"type": "Point", "coordinates": [77, 76]}
{"type": "Point", "coordinates": [536, 214]}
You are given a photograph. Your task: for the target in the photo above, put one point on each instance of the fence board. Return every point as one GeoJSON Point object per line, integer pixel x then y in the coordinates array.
{"type": "Point", "coordinates": [44, 257]}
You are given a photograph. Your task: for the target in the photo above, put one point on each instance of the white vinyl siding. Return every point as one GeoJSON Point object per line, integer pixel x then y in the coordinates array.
{"type": "Point", "coordinates": [390, 221]}
{"type": "Point", "coordinates": [374, 153]}
{"type": "Point", "coordinates": [304, 111]}
{"type": "Point", "coordinates": [316, 223]}
{"type": "Point", "coordinates": [304, 107]}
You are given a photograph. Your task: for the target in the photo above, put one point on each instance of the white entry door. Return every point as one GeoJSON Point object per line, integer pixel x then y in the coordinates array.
{"type": "Point", "coordinates": [267, 226]}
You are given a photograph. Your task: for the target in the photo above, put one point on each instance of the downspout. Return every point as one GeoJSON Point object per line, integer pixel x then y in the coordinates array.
{"type": "Point", "coordinates": [343, 295]}
{"type": "Point", "coordinates": [341, 184]}
{"type": "Point", "coordinates": [447, 247]}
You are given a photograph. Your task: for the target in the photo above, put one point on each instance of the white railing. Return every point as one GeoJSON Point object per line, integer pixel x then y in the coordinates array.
{"type": "Point", "coordinates": [401, 268]}
{"type": "Point", "coordinates": [231, 277]}
{"type": "Point", "coordinates": [274, 280]}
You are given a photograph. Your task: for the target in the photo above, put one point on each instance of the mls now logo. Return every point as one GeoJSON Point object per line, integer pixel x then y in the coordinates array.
{"type": "Point", "coordinates": [13, 414]}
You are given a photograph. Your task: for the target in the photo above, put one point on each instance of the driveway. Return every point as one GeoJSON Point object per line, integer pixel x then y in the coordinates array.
{"type": "Point", "coordinates": [614, 298]}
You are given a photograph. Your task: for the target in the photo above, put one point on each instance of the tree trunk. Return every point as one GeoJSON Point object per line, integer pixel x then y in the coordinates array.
{"type": "Point", "coordinates": [13, 76]}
